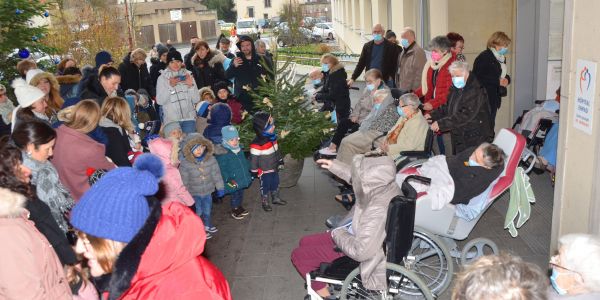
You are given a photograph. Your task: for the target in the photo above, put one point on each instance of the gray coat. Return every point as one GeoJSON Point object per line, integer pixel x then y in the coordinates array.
{"type": "Point", "coordinates": [374, 186]}
{"type": "Point", "coordinates": [375, 114]}
{"type": "Point", "coordinates": [200, 178]}
{"type": "Point", "coordinates": [410, 67]}
{"type": "Point", "coordinates": [179, 101]}
{"type": "Point", "coordinates": [50, 190]}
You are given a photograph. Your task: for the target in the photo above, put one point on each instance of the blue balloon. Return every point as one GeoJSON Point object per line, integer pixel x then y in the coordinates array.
{"type": "Point", "coordinates": [46, 14]}
{"type": "Point", "coordinates": [24, 53]}
{"type": "Point", "coordinates": [18, 11]}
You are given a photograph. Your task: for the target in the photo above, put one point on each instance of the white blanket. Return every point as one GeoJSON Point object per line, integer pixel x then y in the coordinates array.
{"type": "Point", "coordinates": [441, 189]}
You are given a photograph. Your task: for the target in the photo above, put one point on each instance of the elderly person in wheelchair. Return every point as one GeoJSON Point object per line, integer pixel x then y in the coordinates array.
{"type": "Point", "coordinates": [373, 182]}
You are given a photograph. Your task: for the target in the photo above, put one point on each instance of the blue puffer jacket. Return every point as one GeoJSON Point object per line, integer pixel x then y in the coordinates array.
{"type": "Point", "coordinates": [220, 116]}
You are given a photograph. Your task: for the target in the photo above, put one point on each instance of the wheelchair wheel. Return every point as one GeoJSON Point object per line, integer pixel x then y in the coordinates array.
{"type": "Point", "coordinates": [430, 259]}
{"type": "Point", "coordinates": [397, 278]}
{"type": "Point", "coordinates": [477, 248]}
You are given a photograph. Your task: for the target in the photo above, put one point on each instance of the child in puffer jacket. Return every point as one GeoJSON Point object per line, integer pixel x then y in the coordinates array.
{"type": "Point", "coordinates": [225, 96]}
{"type": "Point", "coordinates": [219, 117]}
{"type": "Point", "coordinates": [235, 170]}
{"type": "Point", "coordinates": [265, 159]}
{"type": "Point", "coordinates": [201, 176]}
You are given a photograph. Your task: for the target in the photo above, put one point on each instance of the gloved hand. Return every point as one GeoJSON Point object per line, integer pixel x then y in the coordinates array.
{"type": "Point", "coordinates": [220, 193]}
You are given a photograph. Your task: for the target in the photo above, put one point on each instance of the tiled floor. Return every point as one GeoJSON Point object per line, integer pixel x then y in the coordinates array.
{"type": "Point", "coordinates": [254, 253]}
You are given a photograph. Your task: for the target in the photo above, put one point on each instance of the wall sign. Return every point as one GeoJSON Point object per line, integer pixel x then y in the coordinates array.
{"type": "Point", "coordinates": [176, 15]}
{"type": "Point", "coordinates": [585, 89]}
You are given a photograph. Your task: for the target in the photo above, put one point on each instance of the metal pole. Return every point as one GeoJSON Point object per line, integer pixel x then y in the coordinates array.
{"type": "Point", "coordinates": [130, 40]}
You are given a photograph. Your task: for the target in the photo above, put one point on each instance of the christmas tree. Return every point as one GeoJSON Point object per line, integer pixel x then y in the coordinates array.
{"type": "Point", "coordinates": [299, 125]}
{"type": "Point", "coordinates": [19, 36]}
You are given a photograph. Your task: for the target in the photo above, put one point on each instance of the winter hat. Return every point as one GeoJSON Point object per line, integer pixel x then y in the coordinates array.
{"type": "Point", "coordinates": [31, 73]}
{"type": "Point", "coordinates": [244, 38]}
{"type": "Point", "coordinates": [116, 207]}
{"type": "Point", "coordinates": [206, 91]}
{"type": "Point", "coordinates": [174, 55]}
{"type": "Point", "coordinates": [221, 85]}
{"type": "Point", "coordinates": [170, 127]}
{"type": "Point", "coordinates": [202, 109]}
{"type": "Point", "coordinates": [161, 49]}
{"type": "Point", "coordinates": [259, 122]}
{"type": "Point", "coordinates": [220, 114]}
{"type": "Point", "coordinates": [102, 58]}
{"type": "Point", "coordinates": [229, 132]}
{"type": "Point", "coordinates": [26, 94]}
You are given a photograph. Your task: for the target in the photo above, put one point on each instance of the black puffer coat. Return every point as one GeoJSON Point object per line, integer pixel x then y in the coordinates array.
{"type": "Point", "coordinates": [335, 93]}
{"type": "Point", "coordinates": [466, 115]}
{"type": "Point", "coordinates": [209, 70]}
{"type": "Point", "coordinates": [248, 73]}
{"type": "Point", "coordinates": [134, 77]}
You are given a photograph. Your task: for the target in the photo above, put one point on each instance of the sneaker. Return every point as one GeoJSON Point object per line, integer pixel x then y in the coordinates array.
{"type": "Point", "coordinates": [243, 211]}
{"type": "Point", "coordinates": [208, 236]}
{"type": "Point", "coordinates": [237, 214]}
{"type": "Point", "coordinates": [327, 152]}
{"type": "Point", "coordinates": [211, 229]}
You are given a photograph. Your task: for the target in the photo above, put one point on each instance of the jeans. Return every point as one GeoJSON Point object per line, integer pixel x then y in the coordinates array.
{"type": "Point", "coordinates": [188, 126]}
{"type": "Point", "coordinates": [269, 182]}
{"type": "Point", "coordinates": [203, 207]}
{"type": "Point", "coordinates": [236, 198]}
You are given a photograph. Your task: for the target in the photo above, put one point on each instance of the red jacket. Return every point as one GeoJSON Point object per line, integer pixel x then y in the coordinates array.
{"type": "Point", "coordinates": [236, 110]}
{"type": "Point", "coordinates": [442, 85]}
{"type": "Point", "coordinates": [171, 266]}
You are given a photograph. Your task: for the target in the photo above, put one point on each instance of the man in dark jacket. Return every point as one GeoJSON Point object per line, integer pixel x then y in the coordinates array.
{"type": "Point", "coordinates": [378, 54]}
{"type": "Point", "coordinates": [224, 44]}
{"type": "Point", "coordinates": [187, 59]}
{"type": "Point", "coordinates": [159, 63]}
{"type": "Point", "coordinates": [466, 114]}
{"type": "Point", "coordinates": [134, 72]}
{"type": "Point", "coordinates": [245, 70]}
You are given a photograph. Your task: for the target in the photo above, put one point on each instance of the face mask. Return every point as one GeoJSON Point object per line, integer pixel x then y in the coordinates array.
{"type": "Point", "coordinates": [377, 37]}
{"type": "Point", "coordinates": [555, 285]}
{"type": "Point", "coordinates": [370, 87]}
{"type": "Point", "coordinates": [473, 163]}
{"type": "Point", "coordinates": [436, 56]}
{"type": "Point", "coordinates": [325, 67]}
{"type": "Point", "coordinates": [400, 111]}
{"type": "Point", "coordinates": [404, 43]}
{"type": "Point", "coordinates": [458, 82]}
{"type": "Point", "coordinates": [503, 51]}
{"type": "Point", "coordinates": [316, 81]}
{"type": "Point", "coordinates": [376, 106]}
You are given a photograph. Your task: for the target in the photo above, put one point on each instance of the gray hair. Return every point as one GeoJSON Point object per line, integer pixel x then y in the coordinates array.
{"type": "Point", "coordinates": [440, 42]}
{"type": "Point", "coordinates": [581, 253]}
{"type": "Point", "coordinates": [409, 30]}
{"type": "Point", "coordinates": [502, 277]}
{"type": "Point", "coordinates": [459, 65]}
{"type": "Point", "coordinates": [411, 100]}
{"type": "Point", "coordinates": [259, 43]}
{"type": "Point", "coordinates": [493, 155]}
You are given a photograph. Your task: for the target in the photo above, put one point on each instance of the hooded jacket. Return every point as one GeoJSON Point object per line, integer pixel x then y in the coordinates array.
{"type": "Point", "coordinates": [30, 268]}
{"type": "Point", "coordinates": [118, 145]}
{"type": "Point", "coordinates": [209, 70]}
{"type": "Point", "coordinates": [134, 77]}
{"type": "Point", "coordinates": [466, 115]}
{"type": "Point", "coordinates": [234, 167]}
{"type": "Point", "coordinates": [178, 102]}
{"type": "Point", "coordinates": [92, 89]}
{"type": "Point", "coordinates": [164, 261]}
{"type": "Point", "coordinates": [248, 73]}
{"type": "Point", "coordinates": [373, 180]}
{"type": "Point", "coordinates": [69, 85]}
{"type": "Point", "coordinates": [172, 187]}
{"type": "Point", "coordinates": [201, 178]}
{"type": "Point", "coordinates": [155, 71]}
{"type": "Point", "coordinates": [264, 153]}
{"type": "Point", "coordinates": [220, 116]}
{"type": "Point", "coordinates": [335, 91]}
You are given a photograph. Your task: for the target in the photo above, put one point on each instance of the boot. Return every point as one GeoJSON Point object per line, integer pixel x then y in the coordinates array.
{"type": "Point", "coordinates": [275, 198]}
{"type": "Point", "coordinates": [265, 203]}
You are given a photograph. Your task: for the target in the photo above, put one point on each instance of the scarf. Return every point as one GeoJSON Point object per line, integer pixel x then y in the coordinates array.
{"type": "Point", "coordinates": [393, 135]}
{"type": "Point", "coordinates": [433, 66]}
{"type": "Point", "coordinates": [502, 60]}
{"type": "Point", "coordinates": [5, 109]}
{"type": "Point", "coordinates": [271, 136]}
{"type": "Point", "coordinates": [235, 150]}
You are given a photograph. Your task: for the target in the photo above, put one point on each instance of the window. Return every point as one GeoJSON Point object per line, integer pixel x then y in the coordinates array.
{"type": "Point", "coordinates": [267, 3]}
{"type": "Point", "coordinates": [250, 12]}
{"type": "Point", "coordinates": [265, 16]}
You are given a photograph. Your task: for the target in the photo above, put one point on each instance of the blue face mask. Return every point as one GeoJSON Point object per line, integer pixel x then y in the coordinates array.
{"type": "Point", "coordinates": [404, 43]}
{"type": "Point", "coordinates": [459, 82]}
{"type": "Point", "coordinates": [325, 67]}
{"type": "Point", "coordinates": [503, 51]}
{"type": "Point", "coordinates": [473, 163]}
{"type": "Point", "coordinates": [555, 285]}
{"type": "Point", "coordinates": [376, 106]}
{"type": "Point", "coordinates": [377, 37]}
{"type": "Point", "coordinates": [400, 111]}
{"type": "Point", "coordinates": [316, 81]}
{"type": "Point", "coordinates": [370, 87]}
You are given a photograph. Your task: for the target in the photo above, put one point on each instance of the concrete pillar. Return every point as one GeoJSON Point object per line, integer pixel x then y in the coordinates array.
{"type": "Point", "coordinates": [397, 21]}
{"type": "Point", "coordinates": [438, 17]}
{"type": "Point", "coordinates": [356, 12]}
{"type": "Point", "coordinates": [577, 193]}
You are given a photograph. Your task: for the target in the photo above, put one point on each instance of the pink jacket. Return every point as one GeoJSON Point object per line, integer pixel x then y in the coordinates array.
{"type": "Point", "coordinates": [174, 190]}
{"type": "Point", "coordinates": [29, 268]}
{"type": "Point", "coordinates": [74, 153]}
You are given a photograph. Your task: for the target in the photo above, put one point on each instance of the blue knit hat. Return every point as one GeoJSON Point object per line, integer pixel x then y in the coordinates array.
{"type": "Point", "coordinates": [202, 109]}
{"type": "Point", "coordinates": [103, 57]}
{"type": "Point", "coordinates": [116, 208]}
{"type": "Point", "coordinates": [229, 132]}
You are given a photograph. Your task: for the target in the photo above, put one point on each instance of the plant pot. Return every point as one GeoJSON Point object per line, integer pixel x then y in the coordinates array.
{"type": "Point", "coordinates": [289, 176]}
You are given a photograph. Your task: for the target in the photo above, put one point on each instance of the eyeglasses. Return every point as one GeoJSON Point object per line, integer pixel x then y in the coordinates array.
{"type": "Point", "coordinates": [555, 263]}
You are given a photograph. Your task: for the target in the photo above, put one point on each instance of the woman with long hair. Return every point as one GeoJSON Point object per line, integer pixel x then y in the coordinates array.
{"type": "Point", "coordinates": [116, 125]}
{"type": "Point", "coordinates": [49, 85]}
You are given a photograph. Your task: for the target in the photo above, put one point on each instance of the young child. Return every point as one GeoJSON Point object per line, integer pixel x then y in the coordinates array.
{"type": "Point", "coordinates": [235, 170]}
{"type": "Point", "coordinates": [265, 159]}
{"type": "Point", "coordinates": [224, 96]}
{"type": "Point", "coordinates": [219, 117]}
{"type": "Point", "coordinates": [206, 94]}
{"type": "Point", "coordinates": [172, 131]}
{"type": "Point", "coordinates": [201, 176]}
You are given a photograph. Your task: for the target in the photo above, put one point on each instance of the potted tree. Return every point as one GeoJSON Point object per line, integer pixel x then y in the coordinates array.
{"type": "Point", "coordinates": [300, 127]}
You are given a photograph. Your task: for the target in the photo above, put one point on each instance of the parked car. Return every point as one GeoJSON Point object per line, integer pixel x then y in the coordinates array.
{"type": "Point", "coordinates": [264, 23]}
{"type": "Point", "coordinates": [324, 30]}
{"type": "Point", "coordinates": [220, 22]}
{"type": "Point", "coordinates": [304, 36]}
{"type": "Point", "coordinates": [247, 26]}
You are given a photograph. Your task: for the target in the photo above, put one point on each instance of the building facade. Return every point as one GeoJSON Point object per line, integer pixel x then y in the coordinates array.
{"type": "Point", "coordinates": [258, 9]}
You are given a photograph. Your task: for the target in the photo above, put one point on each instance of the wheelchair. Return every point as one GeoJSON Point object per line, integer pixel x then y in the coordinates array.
{"type": "Point", "coordinates": [405, 267]}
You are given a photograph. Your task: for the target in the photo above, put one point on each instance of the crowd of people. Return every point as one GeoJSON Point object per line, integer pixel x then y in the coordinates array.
{"type": "Point", "coordinates": [108, 172]}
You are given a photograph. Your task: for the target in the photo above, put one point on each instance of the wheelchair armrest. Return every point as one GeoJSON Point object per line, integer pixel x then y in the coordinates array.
{"type": "Point", "coordinates": [416, 154]}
